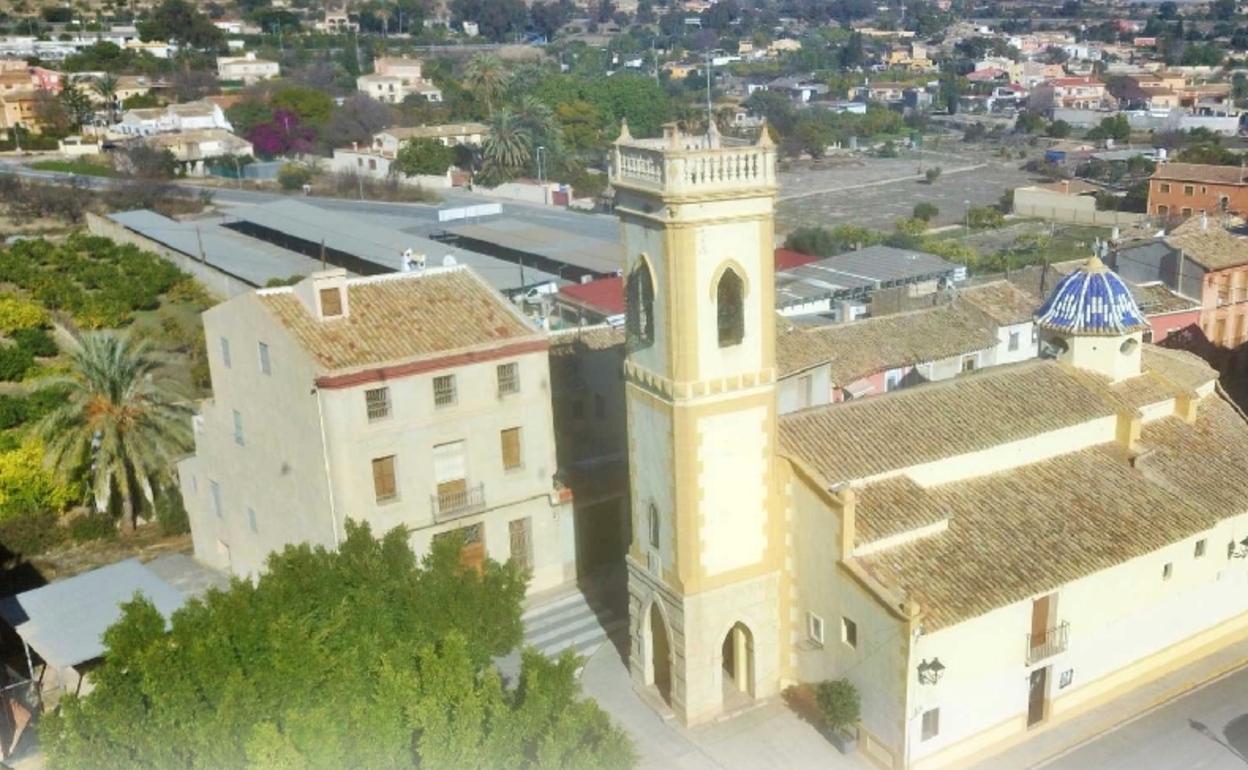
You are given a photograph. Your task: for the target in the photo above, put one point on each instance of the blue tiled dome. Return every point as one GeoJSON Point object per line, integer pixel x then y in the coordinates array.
{"type": "Point", "coordinates": [1091, 300]}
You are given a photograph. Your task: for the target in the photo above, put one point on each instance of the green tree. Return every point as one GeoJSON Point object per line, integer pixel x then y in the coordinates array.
{"type": "Point", "coordinates": [105, 86]}
{"type": "Point", "coordinates": [77, 104]}
{"type": "Point", "coordinates": [177, 21]}
{"type": "Point", "coordinates": [119, 426]}
{"type": "Point", "coordinates": [362, 657]}
{"type": "Point", "coordinates": [311, 105]}
{"type": "Point", "coordinates": [247, 114]}
{"type": "Point", "coordinates": [1058, 129]}
{"type": "Point", "coordinates": [508, 147]}
{"type": "Point", "coordinates": [827, 242]}
{"type": "Point", "coordinates": [423, 156]}
{"type": "Point", "coordinates": [487, 78]}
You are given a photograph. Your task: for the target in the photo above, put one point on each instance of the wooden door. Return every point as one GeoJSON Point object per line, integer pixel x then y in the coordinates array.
{"type": "Point", "coordinates": [1037, 695]}
{"type": "Point", "coordinates": [521, 532]}
{"type": "Point", "coordinates": [1040, 621]}
{"type": "Point", "coordinates": [472, 554]}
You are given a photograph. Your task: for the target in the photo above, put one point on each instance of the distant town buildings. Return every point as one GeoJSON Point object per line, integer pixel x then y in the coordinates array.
{"type": "Point", "coordinates": [247, 68]}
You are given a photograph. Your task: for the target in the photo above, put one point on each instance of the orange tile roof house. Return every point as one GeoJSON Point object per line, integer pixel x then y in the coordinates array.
{"type": "Point", "coordinates": [419, 400]}
{"type": "Point", "coordinates": [1180, 190]}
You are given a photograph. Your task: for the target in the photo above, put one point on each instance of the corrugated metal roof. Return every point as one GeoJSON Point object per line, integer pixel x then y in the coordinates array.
{"type": "Point", "coordinates": [868, 268]}
{"type": "Point", "coordinates": [65, 621]}
{"type": "Point", "coordinates": [248, 259]}
{"type": "Point", "coordinates": [377, 238]}
{"type": "Point", "coordinates": [586, 248]}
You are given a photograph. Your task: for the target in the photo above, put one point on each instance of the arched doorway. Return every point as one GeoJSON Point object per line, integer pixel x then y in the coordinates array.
{"type": "Point", "coordinates": [738, 662]}
{"type": "Point", "coordinates": [660, 653]}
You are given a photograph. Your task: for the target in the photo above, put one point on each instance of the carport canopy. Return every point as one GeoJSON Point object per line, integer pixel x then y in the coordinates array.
{"type": "Point", "coordinates": [64, 622]}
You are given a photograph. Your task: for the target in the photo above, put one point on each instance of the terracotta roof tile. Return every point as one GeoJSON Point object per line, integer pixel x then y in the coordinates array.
{"type": "Point", "coordinates": [1022, 532]}
{"type": "Point", "coordinates": [861, 348]}
{"type": "Point", "coordinates": [1001, 301]}
{"type": "Point", "coordinates": [401, 317]}
{"type": "Point", "coordinates": [1209, 244]}
{"type": "Point", "coordinates": [1200, 172]}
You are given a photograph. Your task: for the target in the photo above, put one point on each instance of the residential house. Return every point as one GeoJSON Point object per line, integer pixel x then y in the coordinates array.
{"type": "Point", "coordinates": [247, 68]}
{"type": "Point", "coordinates": [418, 400]}
{"type": "Point", "coordinates": [337, 23]}
{"type": "Point", "coordinates": [450, 134]}
{"type": "Point", "coordinates": [1082, 93]}
{"type": "Point", "coordinates": [1179, 190]}
{"type": "Point", "coordinates": [188, 116]}
{"type": "Point", "coordinates": [192, 147]}
{"type": "Point", "coordinates": [395, 78]}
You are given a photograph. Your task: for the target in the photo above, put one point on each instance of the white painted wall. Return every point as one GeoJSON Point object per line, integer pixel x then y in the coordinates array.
{"type": "Point", "coordinates": [734, 515]}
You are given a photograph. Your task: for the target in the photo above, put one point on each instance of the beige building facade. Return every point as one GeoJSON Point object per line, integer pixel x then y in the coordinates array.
{"type": "Point", "coordinates": [415, 400]}
{"type": "Point", "coordinates": [982, 557]}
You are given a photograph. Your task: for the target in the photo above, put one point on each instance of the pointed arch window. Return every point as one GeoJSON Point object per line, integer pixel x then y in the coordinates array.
{"type": "Point", "coordinates": [639, 294]}
{"type": "Point", "coordinates": [730, 308]}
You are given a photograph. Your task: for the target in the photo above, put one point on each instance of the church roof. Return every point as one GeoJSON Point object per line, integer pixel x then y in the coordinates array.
{"type": "Point", "coordinates": [1018, 533]}
{"type": "Point", "coordinates": [1092, 300]}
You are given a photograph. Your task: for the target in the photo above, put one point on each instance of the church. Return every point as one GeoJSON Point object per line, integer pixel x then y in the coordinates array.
{"type": "Point", "coordinates": [981, 557]}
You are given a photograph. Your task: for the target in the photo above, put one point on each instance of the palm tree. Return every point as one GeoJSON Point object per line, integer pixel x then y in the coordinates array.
{"type": "Point", "coordinates": [486, 76]}
{"type": "Point", "coordinates": [105, 86]}
{"type": "Point", "coordinates": [509, 144]}
{"type": "Point", "coordinates": [118, 424]}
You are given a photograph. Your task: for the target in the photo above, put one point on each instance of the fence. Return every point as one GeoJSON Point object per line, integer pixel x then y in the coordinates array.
{"type": "Point", "coordinates": [1068, 209]}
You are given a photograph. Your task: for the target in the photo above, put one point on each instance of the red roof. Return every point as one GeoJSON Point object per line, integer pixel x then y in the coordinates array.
{"type": "Point", "coordinates": [606, 295]}
{"type": "Point", "coordinates": [787, 259]}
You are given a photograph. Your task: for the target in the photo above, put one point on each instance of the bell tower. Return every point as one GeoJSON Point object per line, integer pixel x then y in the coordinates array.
{"type": "Point", "coordinates": [696, 216]}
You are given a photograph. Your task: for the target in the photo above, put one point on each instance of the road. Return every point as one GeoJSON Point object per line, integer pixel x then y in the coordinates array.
{"type": "Point", "coordinates": [1207, 729]}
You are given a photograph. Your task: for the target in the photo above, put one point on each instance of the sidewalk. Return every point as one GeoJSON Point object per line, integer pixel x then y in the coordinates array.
{"type": "Point", "coordinates": [767, 737]}
{"type": "Point", "coordinates": [1062, 737]}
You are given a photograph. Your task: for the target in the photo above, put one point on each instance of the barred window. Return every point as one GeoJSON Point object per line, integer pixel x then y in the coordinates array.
{"type": "Point", "coordinates": [377, 401]}
{"type": "Point", "coordinates": [444, 390]}
{"type": "Point", "coordinates": [508, 379]}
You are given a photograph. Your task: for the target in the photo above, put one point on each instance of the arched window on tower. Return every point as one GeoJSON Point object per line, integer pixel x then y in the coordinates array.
{"type": "Point", "coordinates": [639, 294]}
{"type": "Point", "coordinates": [729, 308]}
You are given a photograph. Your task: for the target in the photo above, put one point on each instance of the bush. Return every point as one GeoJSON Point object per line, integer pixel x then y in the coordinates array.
{"type": "Point", "coordinates": [911, 227]}
{"type": "Point", "coordinates": [37, 341]}
{"type": "Point", "coordinates": [30, 534]}
{"type": "Point", "coordinates": [827, 242]}
{"type": "Point", "coordinates": [17, 313]}
{"type": "Point", "coordinates": [13, 411]}
{"type": "Point", "coordinates": [292, 176]}
{"type": "Point", "coordinates": [932, 174]}
{"type": "Point", "coordinates": [27, 486]}
{"type": "Point", "coordinates": [15, 362]}
{"type": "Point", "coordinates": [93, 527]}
{"type": "Point", "coordinates": [170, 511]}
{"type": "Point", "coordinates": [838, 703]}
{"type": "Point", "coordinates": [925, 211]}
{"type": "Point", "coordinates": [984, 218]}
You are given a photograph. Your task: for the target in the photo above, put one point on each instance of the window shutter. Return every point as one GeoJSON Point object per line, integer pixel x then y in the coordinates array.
{"type": "Point", "coordinates": [511, 448]}
{"type": "Point", "coordinates": [331, 303]}
{"type": "Point", "coordinates": [383, 478]}
{"type": "Point", "coordinates": [448, 462]}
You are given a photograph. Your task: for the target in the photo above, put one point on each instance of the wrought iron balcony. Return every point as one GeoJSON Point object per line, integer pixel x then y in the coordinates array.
{"type": "Point", "coordinates": [1048, 644]}
{"type": "Point", "coordinates": [461, 502]}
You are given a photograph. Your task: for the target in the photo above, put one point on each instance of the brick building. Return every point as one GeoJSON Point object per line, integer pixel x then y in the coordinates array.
{"type": "Point", "coordinates": [1179, 190]}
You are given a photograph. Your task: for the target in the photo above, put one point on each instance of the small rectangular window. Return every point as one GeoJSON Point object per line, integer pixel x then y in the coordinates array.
{"type": "Point", "coordinates": [1165, 188]}
{"type": "Point", "coordinates": [508, 379]}
{"type": "Point", "coordinates": [216, 497]}
{"type": "Point", "coordinates": [849, 632]}
{"type": "Point", "coordinates": [968, 364]}
{"type": "Point", "coordinates": [1189, 189]}
{"type": "Point", "coordinates": [1167, 571]}
{"type": "Point", "coordinates": [931, 724]}
{"type": "Point", "coordinates": [251, 521]}
{"type": "Point", "coordinates": [1013, 341]}
{"type": "Point", "coordinates": [377, 401]}
{"type": "Point", "coordinates": [384, 487]}
{"type": "Point", "coordinates": [1200, 548]}
{"type": "Point", "coordinates": [444, 390]}
{"type": "Point", "coordinates": [238, 428]}
{"type": "Point", "coordinates": [225, 352]}
{"type": "Point", "coordinates": [331, 302]}
{"type": "Point", "coordinates": [264, 359]}
{"type": "Point", "coordinates": [814, 628]}
{"type": "Point", "coordinates": [654, 525]}
{"type": "Point", "coordinates": [512, 456]}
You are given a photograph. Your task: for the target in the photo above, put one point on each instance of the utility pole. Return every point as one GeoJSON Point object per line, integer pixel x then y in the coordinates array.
{"type": "Point", "coordinates": [710, 114]}
{"type": "Point", "coordinates": [200, 239]}
{"type": "Point", "coordinates": [359, 180]}
{"type": "Point", "coordinates": [541, 176]}
{"type": "Point", "coordinates": [322, 253]}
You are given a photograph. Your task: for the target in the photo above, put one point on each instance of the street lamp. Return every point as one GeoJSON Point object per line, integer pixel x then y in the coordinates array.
{"type": "Point", "coordinates": [967, 205]}
{"type": "Point", "coordinates": [930, 671]}
{"type": "Point", "coordinates": [541, 174]}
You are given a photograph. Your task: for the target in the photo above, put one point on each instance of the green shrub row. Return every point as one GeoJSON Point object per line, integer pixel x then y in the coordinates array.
{"type": "Point", "coordinates": [101, 283]}
{"type": "Point", "coordinates": [16, 411]}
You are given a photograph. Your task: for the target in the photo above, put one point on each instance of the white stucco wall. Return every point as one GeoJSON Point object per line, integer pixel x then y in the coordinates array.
{"type": "Point", "coordinates": [734, 515]}
{"type": "Point", "coordinates": [651, 469]}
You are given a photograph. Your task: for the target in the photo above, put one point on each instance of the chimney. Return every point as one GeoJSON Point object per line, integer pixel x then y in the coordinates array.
{"type": "Point", "coordinates": [1128, 430]}
{"type": "Point", "coordinates": [1185, 406]}
{"type": "Point", "coordinates": [1065, 187]}
{"type": "Point", "coordinates": [1204, 221]}
{"type": "Point", "coordinates": [324, 294]}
